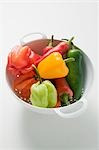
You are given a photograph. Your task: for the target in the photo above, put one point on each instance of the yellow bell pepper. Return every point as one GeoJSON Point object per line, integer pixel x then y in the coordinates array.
{"type": "Point", "coordinates": [53, 66]}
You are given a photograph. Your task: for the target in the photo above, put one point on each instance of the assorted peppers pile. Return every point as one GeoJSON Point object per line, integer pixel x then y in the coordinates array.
{"type": "Point", "coordinates": [53, 79]}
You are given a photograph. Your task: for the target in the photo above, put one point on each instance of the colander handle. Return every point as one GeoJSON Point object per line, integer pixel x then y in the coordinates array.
{"type": "Point", "coordinates": [35, 36]}
{"type": "Point", "coordinates": [74, 114]}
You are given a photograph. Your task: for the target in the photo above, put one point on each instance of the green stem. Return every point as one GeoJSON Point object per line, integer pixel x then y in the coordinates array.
{"type": "Point", "coordinates": [71, 40]}
{"type": "Point", "coordinates": [72, 45]}
{"type": "Point", "coordinates": [51, 41]}
{"type": "Point", "coordinates": [36, 70]}
{"type": "Point", "coordinates": [67, 60]}
{"type": "Point", "coordinates": [65, 39]}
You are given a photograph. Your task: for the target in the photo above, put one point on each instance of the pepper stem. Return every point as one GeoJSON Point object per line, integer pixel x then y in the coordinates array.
{"type": "Point", "coordinates": [38, 75]}
{"type": "Point", "coordinates": [69, 41]}
{"type": "Point", "coordinates": [51, 41]}
{"type": "Point", "coordinates": [67, 60]}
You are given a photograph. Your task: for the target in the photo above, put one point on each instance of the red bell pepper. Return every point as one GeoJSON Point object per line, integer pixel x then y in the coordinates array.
{"type": "Point", "coordinates": [21, 57]}
{"type": "Point", "coordinates": [20, 60]}
{"type": "Point", "coordinates": [22, 84]}
{"type": "Point", "coordinates": [23, 89]}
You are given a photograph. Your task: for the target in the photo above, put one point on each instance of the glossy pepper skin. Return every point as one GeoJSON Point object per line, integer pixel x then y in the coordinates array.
{"type": "Point", "coordinates": [62, 48]}
{"type": "Point", "coordinates": [43, 94]}
{"type": "Point", "coordinates": [20, 60]}
{"type": "Point", "coordinates": [63, 91]}
{"type": "Point", "coordinates": [39, 95]}
{"type": "Point", "coordinates": [21, 57]}
{"type": "Point", "coordinates": [53, 66]}
{"type": "Point", "coordinates": [75, 77]}
{"type": "Point", "coordinates": [22, 85]}
{"type": "Point", "coordinates": [52, 93]}
{"type": "Point", "coordinates": [63, 87]}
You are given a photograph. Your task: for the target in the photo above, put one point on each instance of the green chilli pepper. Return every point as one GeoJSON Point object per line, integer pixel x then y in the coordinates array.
{"type": "Point", "coordinates": [75, 76]}
{"type": "Point", "coordinates": [43, 94]}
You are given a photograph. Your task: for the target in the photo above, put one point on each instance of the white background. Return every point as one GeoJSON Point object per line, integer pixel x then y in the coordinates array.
{"type": "Point", "coordinates": [19, 128]}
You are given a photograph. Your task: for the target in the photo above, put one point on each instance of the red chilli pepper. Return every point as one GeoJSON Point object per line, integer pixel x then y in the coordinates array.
{"type": "Point", "coordinates": [63, 87]}
{"type": "Point", "coordinates": [62, 48]}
